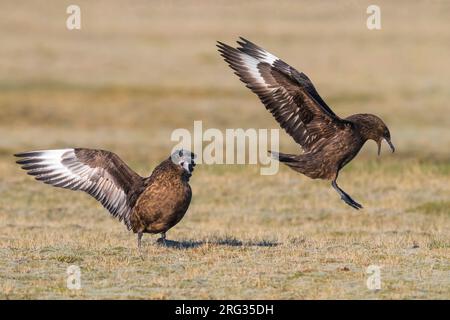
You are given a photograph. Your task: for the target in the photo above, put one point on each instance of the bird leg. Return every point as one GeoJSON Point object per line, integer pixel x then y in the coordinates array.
{"type": "Point", "coordinates": [139, 238]}
{"type": "Point", "coordinates": [162, 240]}
{"type": "Point", "coordinates": [344, 196]}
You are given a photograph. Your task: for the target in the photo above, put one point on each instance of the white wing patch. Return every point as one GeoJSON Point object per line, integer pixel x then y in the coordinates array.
{"type": "Point", "coordinates": [252, 66]}
{"type": "Point", "coordinates": [61, 168]}
{"type": "Point", "coordinates": [267, 57]}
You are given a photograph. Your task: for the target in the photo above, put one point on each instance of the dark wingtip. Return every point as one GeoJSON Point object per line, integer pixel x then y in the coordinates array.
{"type": "Point", "coordinates": [241, 38]}
{"type": "Point", "coordinates": [28, 157]}
{"type": "Point", "coordinates": [28, 154]}
{"type": "Point", "coordinates": [222, 46]}
{"type": "Point", "coordinates": [20, 154]}
{"type": "Point", "coordinates": [226, 52]}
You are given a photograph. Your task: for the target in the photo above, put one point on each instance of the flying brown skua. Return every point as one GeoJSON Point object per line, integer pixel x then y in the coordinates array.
{"type": "Point", "coordinates": [145, 205]}
{"type": "Point", "coordinates": [328, 141]}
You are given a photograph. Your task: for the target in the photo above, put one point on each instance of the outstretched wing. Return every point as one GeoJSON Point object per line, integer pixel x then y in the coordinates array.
{"type": "Point", "coordinates": [288, 94]}
{"type": "Point", "coordinates": [100, 173]}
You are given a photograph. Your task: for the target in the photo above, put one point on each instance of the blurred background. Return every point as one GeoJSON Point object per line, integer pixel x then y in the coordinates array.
{"type": "Point", "coordinates": [138, 70]}
{"type": "Point", "coordinates": [135, 71]}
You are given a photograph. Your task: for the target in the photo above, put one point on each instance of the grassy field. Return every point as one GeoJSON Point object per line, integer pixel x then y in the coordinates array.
{"type": "Point", "coordinates": [135, 73]}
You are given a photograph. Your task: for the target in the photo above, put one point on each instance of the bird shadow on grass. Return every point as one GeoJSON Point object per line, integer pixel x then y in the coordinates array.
{"type": "Point", "coordinates": [231, 242]}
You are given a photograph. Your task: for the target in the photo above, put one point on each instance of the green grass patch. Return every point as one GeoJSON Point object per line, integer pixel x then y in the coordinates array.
{"type": "Point", "coordinates": [434, 207]}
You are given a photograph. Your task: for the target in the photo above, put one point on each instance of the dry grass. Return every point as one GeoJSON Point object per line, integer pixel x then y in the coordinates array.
{"type": "Point", "coordinates": [135, 73]}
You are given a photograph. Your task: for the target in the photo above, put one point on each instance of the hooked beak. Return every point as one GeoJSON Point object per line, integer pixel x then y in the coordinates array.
{"type": "Point", "coordinates": [390, 145]}
{"type": "Point", "coordinates": [388, 142]}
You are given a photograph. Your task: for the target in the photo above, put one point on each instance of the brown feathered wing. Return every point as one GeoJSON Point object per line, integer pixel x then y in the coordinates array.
{"type": "Point", "coordinates": [100, 173]}
{"type": "Point", "coordinates": [288, 94]}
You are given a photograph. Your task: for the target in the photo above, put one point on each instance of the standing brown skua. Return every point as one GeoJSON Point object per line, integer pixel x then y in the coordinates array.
{"type": "Point", "coordinates": [328, 141]}
{"type": "Point", "coordinates": [145, 205]}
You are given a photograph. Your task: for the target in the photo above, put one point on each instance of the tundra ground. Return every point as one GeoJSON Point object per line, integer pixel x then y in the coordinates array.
{"type": "Point", "coordinates": [135, 73]}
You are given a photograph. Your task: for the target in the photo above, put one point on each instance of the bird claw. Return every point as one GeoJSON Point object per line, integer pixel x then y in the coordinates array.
{"type": "Point", "coordinates": [352, 203]}
{"type": "Point", "coordinates": [161, 241]}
